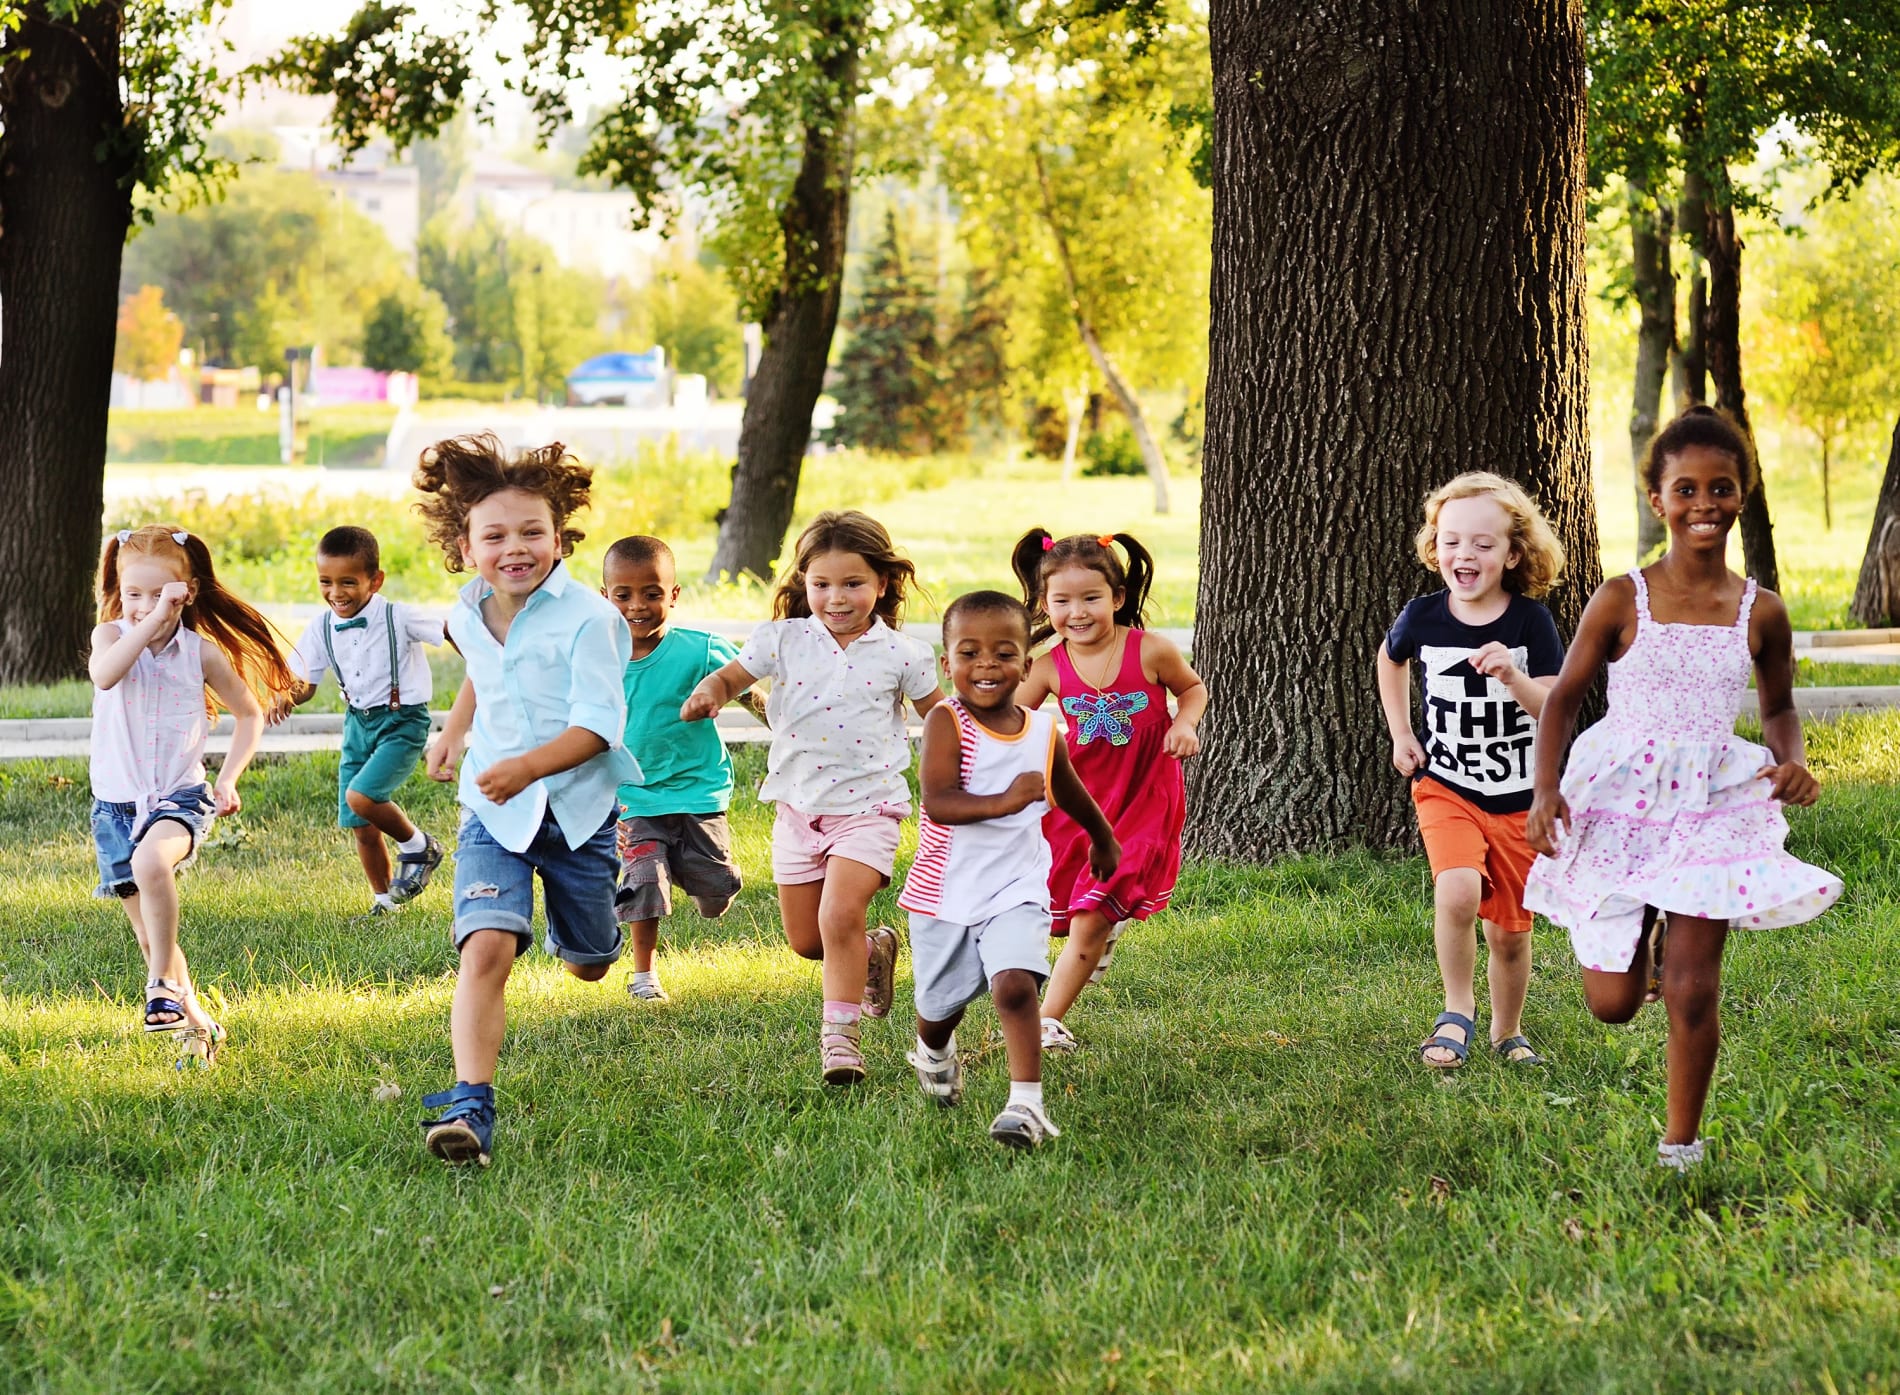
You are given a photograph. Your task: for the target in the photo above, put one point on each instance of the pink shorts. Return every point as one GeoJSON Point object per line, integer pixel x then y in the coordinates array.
{"type": "Point", "coordinates": [802, 842]}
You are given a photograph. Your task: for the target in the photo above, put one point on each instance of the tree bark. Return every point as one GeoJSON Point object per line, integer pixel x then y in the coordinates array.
{"type": "Point", "coordinates": [1151, 457]}
{"type": "Point", "coordinates": [1652, 229]}
{"type": "Point", "coordinates": [1397, 297]}
{"type": "Point", "coordinates": [776, 429]}
{"type": "Point", "coordinates": [1877, 595]}
{"type": "Point", "coordinates": [65, 207]}
{"type": "Point", "coordinates": [1722, 250]}
{"type": "Point", "coordinates": [1692, 365]}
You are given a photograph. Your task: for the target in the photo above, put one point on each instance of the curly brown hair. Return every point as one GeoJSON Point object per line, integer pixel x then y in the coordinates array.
{"type": "Point", "coordinates": [1540, 556]}
{"type": "Point", "coordinates": [457, 474]}
{"type": "Point", "coordinates": [846, 530]}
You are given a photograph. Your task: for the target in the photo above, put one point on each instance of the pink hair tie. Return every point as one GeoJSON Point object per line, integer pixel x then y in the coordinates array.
{"type": "Point", "coordinates": [1048, 543]}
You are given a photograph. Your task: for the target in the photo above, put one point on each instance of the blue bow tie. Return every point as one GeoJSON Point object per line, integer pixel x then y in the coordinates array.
{"type": "Point", "coordinates": [361, 622]}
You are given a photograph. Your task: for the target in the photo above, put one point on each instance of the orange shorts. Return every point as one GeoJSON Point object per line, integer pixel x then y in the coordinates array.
{"type": "Point", "coordinates": [1458, 833]}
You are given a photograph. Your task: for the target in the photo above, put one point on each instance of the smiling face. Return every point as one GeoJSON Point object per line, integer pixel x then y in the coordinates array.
{"type": "Point", "coordinates": [510, 541]}
{"type": "Point", "coordinates": [986, 655]}
{"type": "Point", "coordinates": [1081, 605]}
{"type": "Point", "coordinates": [141, 578]}
{"type": "Point", "coordinates": [1700, 497]}
{"type": "Point", "coordinates": [643, 593]}
{"type": "Point", "coordinates": [346, 584]}
{"type": "Point", "coordinates": [1474, 547]}
{"type": "Point", "coordinates": [842, 590]}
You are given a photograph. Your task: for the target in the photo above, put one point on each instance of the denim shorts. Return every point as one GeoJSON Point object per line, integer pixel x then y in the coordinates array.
{"type": "Point", "coordinates": [494, 890]}
{"type": "Point", "coordinates": [117, 829]}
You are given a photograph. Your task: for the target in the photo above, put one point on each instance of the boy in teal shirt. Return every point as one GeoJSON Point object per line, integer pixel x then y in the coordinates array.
{"type": "Point", "coordinates": [672, 829]}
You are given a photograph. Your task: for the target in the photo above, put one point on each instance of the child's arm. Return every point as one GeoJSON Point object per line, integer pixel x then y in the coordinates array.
{"type": "Point", "coordinates": [1611, 610]}
{"type": "Point", "coordinates": [1790, 780]}
{"type": "Point", "coordinates": [1071, 796]}
{"type": "Point", "coordinates": [1495, 661]}
{"type": "Point", "coordinates": [715, 691]}
{"type": "Point", "coordinates": [1038, 685]}
{"type": "Point", "coordinates": [926, 702]}
{"type": "Point", "coordinates": [248, 726]}
{"type": "Point", "coordinates": [505, 779]}
{"type": "Point", "coordinates": [1161, 658]}
{"type": "Point", "coordinates": [939, 777]}
{"type": "Point", "coordinates": [1395, 696]}
{"type": "Point", "coordinates": [445, 752]}
{"type": "Point", "coordinates": [596, 712]}
{"type": "Point", "coordinates": [113, 654]}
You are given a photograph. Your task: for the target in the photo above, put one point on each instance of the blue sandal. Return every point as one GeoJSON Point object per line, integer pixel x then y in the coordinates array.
{"type": "Point", "coordinates": [1509, 1044]}
{"type": "Point", "coordinates": [1459, 1049]}
{"type": "Point", "coordinates": [462, 1132]}
{"type": "Point", "coordinates": [158, 1003]}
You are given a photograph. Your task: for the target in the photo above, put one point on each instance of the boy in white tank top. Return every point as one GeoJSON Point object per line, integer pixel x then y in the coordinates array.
{"type": "Point", "coordinates": [978, 892]}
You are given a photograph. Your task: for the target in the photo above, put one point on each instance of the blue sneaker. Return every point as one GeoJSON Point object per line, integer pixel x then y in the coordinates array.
{"type": "Point", "coordinates": [413, 871]}
{"type": "Point", "coordinates": [466, 1126]}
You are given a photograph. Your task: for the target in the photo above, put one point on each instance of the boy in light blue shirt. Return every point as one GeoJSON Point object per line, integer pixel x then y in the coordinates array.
{"type": "Point", "coordinates": [541, 715]}
{"type": "Point", "coordinates": [672, 828]}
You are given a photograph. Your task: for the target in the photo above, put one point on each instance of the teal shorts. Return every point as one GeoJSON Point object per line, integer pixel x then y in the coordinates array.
{"type": "Point", "coordinates": [380, 750]}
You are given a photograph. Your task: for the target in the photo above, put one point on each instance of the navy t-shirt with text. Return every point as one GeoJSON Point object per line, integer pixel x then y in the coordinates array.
{"type": "Point", "coordinates": [1477, 737]}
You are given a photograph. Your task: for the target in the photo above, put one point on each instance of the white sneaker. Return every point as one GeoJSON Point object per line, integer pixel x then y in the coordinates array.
{"type": "Point", "coordinates": [646, 990]}
{"type": "Point", "coordinates": [1680, 1156]}
{"type": "Point", "coordinates": [1022, 1125]}
{"type": "Point", "coordinates": [1056, 1037]}
{"type": "Point", "coordinates": [1108, 952]}
{"type": "Point", "coordinates": [941, 1080]}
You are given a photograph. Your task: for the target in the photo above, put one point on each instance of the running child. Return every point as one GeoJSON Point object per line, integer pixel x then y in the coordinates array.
{"type": "Point", "coordinates": [541, 715]}
{"type": "Point", "coordinates": [1487, 652]}
{"type": "Point", "coordinates": [1113, 680]}
{"type": "Point", "coordinates": [840, 672]}
{"type": "Point", "coordinates": [672, 830]}
{"type": "Point", "coordinates": [375, 647]}
{"type": "Point", "coordinates": [167, 633]}
{"type": "Point", "coordinates": [1664, 820]}
{"type": "Point", "coordinates": [978, 893]}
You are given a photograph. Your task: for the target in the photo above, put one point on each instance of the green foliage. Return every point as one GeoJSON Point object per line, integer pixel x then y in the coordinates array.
{"type": "Point", "coordinates": [407, 333]}
{"type": "Point", "coordinates": [341, 435]}
{"type": "Point", "coordinates": [1112, 452]}
{"type": "Point", "coordinates": [149, 336]}
{"type": "Point", "coordinates": [691, 311]}
{"type": "Point", "coordinates": [279, 262]}
{"type": "Point", "coordinates": [890, 378]}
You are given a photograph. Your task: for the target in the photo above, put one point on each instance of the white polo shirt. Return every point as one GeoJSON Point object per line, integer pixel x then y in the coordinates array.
{"type": "Point", "coordinates": [839, 744]}
{"type": "Point", "coordinates": [362, 653]}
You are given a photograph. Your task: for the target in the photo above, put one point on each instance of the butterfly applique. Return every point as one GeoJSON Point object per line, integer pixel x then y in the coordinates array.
{"type": "Point", "coordinates": [1105, 714]}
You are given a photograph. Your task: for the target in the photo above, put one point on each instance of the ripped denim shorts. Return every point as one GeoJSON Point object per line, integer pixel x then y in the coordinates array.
{"type": "Point", "coordinates": [494, 890]}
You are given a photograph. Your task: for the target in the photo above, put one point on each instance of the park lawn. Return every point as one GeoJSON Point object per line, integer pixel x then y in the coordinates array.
{"type": "Point", "coordinates": [1257, 1188]}
{"type": "Point", "coordinates": [344, 435]}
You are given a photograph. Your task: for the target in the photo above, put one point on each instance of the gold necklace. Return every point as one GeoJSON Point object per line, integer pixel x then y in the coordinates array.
{"type": "Point", "coordinates": [1114, 670]}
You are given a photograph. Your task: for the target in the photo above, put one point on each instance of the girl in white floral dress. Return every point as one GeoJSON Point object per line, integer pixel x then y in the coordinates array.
{"type": "Point", "coordinates": [1664, 818]}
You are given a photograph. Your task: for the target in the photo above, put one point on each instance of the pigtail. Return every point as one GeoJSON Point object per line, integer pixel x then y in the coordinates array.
{"type": "Point", "coordinates": [247, 639]}
{"type": "Point", "coordinates": [105, 588]}
{"type": "Point", "coordinates": [1025, 559]}
{"type": "Point", "coordinates": [1140, 579]}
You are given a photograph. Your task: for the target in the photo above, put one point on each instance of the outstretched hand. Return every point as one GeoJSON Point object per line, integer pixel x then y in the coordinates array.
{"type": "Point", "coordinates": [699, 706]}
{"type": "Point", "coordinates": [1791, 782]}
{"type": "Point", "coordinates": [1493, 660]}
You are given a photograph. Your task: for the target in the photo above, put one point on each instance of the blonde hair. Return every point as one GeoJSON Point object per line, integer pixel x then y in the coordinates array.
{"type": "Point", "coordinates": [1540, 557]}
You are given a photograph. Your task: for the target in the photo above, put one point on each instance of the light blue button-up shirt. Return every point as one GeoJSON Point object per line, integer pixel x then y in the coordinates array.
{"type": "Point", "coordinates": [561, 667]}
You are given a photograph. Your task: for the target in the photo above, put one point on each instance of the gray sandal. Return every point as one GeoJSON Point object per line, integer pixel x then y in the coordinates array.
{"type": "Point", "coordinates": [1509, 1044]}
{"type": "Point", "coordinates": [1459, 1049]}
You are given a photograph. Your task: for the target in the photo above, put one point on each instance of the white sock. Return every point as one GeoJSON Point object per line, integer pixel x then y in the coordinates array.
{"type": "Point", "coordinates": [1026, 1092]}
{"type": "Point", "coordinates": [382, 898]}
{"type": "Point", "coordinates": [416, 844]}
{"type": "Point", "coordinates": [646, 978]}
{"type": "Point", "coordinates": [933, 1055]}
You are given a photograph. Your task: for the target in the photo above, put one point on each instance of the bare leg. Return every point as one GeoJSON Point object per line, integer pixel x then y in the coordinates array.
{"type": "Point", "coordinates": [385, 820]}
{"type": "Point", "coordinates": [479, 1015]}
{"type": "Point", "coordinates": [373, 853]}
{"type": "Point", "coordinates": [1509, 970]}
{"type": "Point", "coordinates": [644, 936]}
{"type": "Point", "coordinates": [1014, 993]}
{"type": "Point", "coordinates": [1455, 896]}
{"type": "Point", "coordinates": [1692, 991]}
{"type": "Point", "coordinates": [1081, 952]}
{"type": "Point", "coordinates": [154, 911]}
{"type": "Point", "coordinates": [936, 1035]}
{"type": "Point", "coordinates": [848, 889]}
{"type": "Point", "coordinates": [798, 904]}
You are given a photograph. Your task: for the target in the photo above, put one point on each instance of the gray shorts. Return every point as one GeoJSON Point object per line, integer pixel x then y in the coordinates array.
{"type": "Point", "coordinates": [657, 853]}
{"type": "Point", "coordinates": [951, 965]}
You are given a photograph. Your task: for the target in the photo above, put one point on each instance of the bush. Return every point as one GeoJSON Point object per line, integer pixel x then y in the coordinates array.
{"type": "Point", "coordinates": [453, 389]}
{"type": "Point", "coordinates": [1112, 452]}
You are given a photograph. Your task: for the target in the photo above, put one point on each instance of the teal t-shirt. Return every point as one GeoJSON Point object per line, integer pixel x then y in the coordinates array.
{"type": "Point", "coordinates": [685, 763]}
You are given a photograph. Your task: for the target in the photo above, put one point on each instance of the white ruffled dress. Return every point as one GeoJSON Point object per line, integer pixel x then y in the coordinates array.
{"type": "Point", "coordinates": [1666, 808]}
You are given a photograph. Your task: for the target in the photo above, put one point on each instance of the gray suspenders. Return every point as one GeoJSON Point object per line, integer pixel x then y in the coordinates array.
{"type": "Point", "coordinates": [395, 674]}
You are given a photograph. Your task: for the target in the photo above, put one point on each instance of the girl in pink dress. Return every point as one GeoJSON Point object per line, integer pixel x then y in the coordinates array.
{"type": "Point", "coordinates": [1664, 819]}
{"type": "Point", "coordinates": [1113, 680]}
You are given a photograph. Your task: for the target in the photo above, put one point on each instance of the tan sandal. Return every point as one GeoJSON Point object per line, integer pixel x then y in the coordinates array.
{"type": "Point", "coordinates": [838, 1049]}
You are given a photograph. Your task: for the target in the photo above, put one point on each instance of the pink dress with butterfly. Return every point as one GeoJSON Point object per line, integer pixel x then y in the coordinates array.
{"type": "Point", "coordinates": [1115, 738]}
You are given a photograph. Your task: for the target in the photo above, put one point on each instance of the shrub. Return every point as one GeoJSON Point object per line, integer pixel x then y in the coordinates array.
{"type": "Point", "coordinates": [1112, 452]}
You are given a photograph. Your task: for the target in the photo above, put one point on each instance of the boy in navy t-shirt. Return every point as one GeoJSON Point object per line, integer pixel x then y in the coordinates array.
{"type": "Point", "coordinates": [1487, 652]}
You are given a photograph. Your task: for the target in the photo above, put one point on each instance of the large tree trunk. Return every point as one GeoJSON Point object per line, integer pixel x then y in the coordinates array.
{"type": "Point", "coordinates": [1692, 364]}
{"type": "Point", "coordinates": [1397, 297]}
{"type": "Point", "coordinates": [1722, 249]}
{"type": "Point", "coordinates": [64, 212]}
{"type": "Point", "coordinates": [1652, 229]}
{"type": "Point", "coordinates": [776, 430]}
{"type": "Point", "coordinates": [1877, 595]}
{"type": "Point", "coordinates": [1151, 457]}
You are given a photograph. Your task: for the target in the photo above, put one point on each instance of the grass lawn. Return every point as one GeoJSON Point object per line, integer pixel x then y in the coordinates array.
{"type": "Point", "coordinates": [1257, 1187]}
{"type": "Point", "coordinates": [351, 435]}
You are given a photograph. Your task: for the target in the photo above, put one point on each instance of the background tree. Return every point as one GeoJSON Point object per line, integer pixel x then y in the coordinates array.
{"type": "Point", "coordinates": [1397, 297]}
{"type": "Point", "coordinates": [1877, 593]}
{"type": "Point", "coordinates": [407, 332]}
{"type": "Point", "coordinates": [890, 380]}
{"type": "Point", "coordinates": [149, 336]}
{"type": "Point", "coordinates": [102, 103]}
{"type": "Point", "coordinates": [690, 310]}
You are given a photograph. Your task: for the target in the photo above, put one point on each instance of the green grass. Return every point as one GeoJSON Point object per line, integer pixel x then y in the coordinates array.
{"type": "Point", "coordinates": [1257, 1187]}
{"type": "Point", "coordinates": [74, 697]}
{"type": "Point", "coordinates": [350, 435]}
